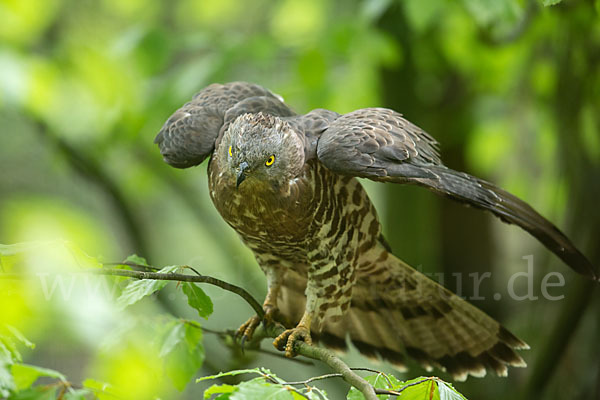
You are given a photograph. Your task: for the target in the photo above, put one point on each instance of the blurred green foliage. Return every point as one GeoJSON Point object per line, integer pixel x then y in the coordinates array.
{"type": "Point", "coordinates": [511, 88]}
{"type": "Point", "coordinates": [269, 385]}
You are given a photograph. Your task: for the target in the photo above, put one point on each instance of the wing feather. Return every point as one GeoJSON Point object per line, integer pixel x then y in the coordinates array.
{"type": "Point", "coordinates": [190, 134]}
{"type": "Point", "coordinates": [379, 144]}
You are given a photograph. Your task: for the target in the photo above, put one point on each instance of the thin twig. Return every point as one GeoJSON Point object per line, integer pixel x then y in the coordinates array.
{"type": "Point", "coordinates": [131, 264]}
{"type": "Point", "coordinates": [387, 378]}
{"type": "Point", "coordinates": [368, 370]}
{"type": "Point", "coordinates": [186, 278]}
{"type": "Point", "coordinates": [275, 381]}
{"type": "Point", "coordinates": [403, 388]}
{"type": "Point", "coordinates": [315, 378]}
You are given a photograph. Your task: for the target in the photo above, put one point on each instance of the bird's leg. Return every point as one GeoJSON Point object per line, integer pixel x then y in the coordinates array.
{"type": "Point", "coordinates": [274, 280]}
{"type": "Point", "coordinates": [328, 294]}
{"type": "Point", "coordinates": [288, 339]}
{"type": "Point", "coordinates": [301, 332]}
{"type": "Point", "coordinates": [269, 306]}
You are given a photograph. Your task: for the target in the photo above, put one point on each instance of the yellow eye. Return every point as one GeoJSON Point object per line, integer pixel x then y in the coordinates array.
{"type": "Point", "coordinates": [270, 161]}
{"type": "Point", "coordinates": [230, 151]}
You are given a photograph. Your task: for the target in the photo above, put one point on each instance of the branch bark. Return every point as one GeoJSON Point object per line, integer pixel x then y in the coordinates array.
{"type": "Point", "coordinates": [198, 278]}
{"type": "Point", "coordinates": [327, 357]}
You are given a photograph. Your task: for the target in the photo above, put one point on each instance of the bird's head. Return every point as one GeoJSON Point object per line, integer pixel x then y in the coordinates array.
{"type": "Point", "coordinates": [261, 148]}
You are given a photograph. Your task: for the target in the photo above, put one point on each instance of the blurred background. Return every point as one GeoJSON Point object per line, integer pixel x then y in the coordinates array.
{"type": "Point", "coordinates": [510, 88]}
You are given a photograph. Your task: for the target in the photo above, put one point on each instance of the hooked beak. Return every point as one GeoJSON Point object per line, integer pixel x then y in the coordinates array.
{"type": "Point", "coordinates": [241, 174]}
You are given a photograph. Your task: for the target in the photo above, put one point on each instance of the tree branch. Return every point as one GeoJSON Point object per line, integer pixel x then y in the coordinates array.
{"type": "Point", "coordinates": [199, 278]}
{"type": "Point", "coordinates": [325, 356]}
{"type": "Point", "coordinates": [228, 336]}
{"type": "Point", "coordinates": [272, 330]}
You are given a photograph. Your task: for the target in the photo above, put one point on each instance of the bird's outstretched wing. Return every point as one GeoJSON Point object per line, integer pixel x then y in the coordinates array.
{"type": "Point", "coordinates": [379, 144]}
{"type": "Point", "coordinates": [190, 134]}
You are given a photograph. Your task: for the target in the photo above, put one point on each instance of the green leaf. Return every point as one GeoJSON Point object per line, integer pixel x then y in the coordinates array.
{"type": "Point", "coordinates": [173, 337]}
{"type": "Point", "coordinates": [183, 353]}
{"type": "Point", "coordinates": [6, 356]}
{"type": "Point", "coordinates": [7, 383]}
{"type": "Point", "coordinates": [193, 336]}
{"type": "Point", "coordinates": [80, 394]}
{"type": "Point", "coordinates": [380, 381]}
{"type": "Point", "coordinates": [298, 396]}
{"type": "Point", "coordinates": [422, 388]}
{"type": "Point", "coordinates": [82, 259]}
{"type": "Point", "coordinates": [100, 390]}
{"type": "Point", "coordinates": [17, 334]}
{"type": "Point", "coordinates": [259, 389]}
{"type": "Point", "coordinates": [36, 393]}
{"type": "Point", "coordinates": [447, 392]}
{"type": "Point", "coordinates": [96, 385]}
{"type": "Point", "coordinates": [314, 393]}
{"type": "Point", "coordinates": [139, 289]}
{"type": "Point", "coordinates": [18, 248]}
{"type": "Point", "coordinates": [219, 389]}
{"type": "Point", "coordinates": [135, 259]}
{"type": "Point", "coordinates": [9, 353]}
{"type": "Point", "coordinates": [550, 2]}
{"type": "Point", "coordinates": [198, 299]}
{"type": "Point", "coordinates": [25, 375]}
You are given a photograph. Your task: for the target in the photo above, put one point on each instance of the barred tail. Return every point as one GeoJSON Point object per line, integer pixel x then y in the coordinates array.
{"type": "Point", "coordinates": [397, 312]}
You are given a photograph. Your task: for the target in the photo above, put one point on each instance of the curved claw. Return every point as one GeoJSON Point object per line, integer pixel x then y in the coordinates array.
{"type": "Point", "coordinates": [246, 330]}
{"type": "Point", "coordinates": [287, 340]}
{"type": "Point", "coordinates": [243, 343]}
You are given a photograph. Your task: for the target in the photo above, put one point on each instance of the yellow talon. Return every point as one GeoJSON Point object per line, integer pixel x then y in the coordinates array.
{"type": "Point", "coordinates": [287, 340]}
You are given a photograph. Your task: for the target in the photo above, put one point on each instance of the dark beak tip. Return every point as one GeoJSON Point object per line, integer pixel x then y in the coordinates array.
{"type": "Point", "coordinates": [241, 175]}
{"type": "Point", "coordinates": [240, 178]}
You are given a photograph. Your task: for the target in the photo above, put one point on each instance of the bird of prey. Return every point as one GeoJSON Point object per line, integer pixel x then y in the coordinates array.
{"type": "Point", "coordinates": [287, 184]}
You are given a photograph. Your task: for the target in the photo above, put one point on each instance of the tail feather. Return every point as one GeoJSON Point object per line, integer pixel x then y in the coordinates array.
{"type": "Point", "coordinates": [484, 195]}
{"type": "Point", "coordinates": [398, 313]}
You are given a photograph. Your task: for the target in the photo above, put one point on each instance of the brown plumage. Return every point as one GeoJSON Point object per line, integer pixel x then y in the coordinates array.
{"type": "Point", "coordinates": [286, 183]}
